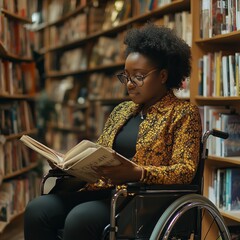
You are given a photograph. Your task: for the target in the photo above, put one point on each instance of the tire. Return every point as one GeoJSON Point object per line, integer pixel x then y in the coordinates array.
{"type": "Point", "coordinates": [171, 217]}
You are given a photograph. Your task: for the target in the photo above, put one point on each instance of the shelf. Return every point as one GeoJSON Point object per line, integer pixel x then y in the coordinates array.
{"type": "Point", "coordinates": [78, 10]}
{"type": "Point", "coordinates": [12, 57]}
{"type": "Point", "coordinates": [232, 37]}
{"type": "Point", "coordinates": [21, 171]}
{"type": "Point", "coordinates": [216, 100]}
{"type": "Point", "coordinates": [176, 6]}
{"type": "Point", "coordinates": [59, 74]}
{"type": "Point", "coordinates": [233, 215]}
{"type": "Point", "coordinates": [16, 16]}
{"type": "Point", "coordinates": [72, 104]}
{"type": "Point", "coordinates": [65, 128]}
{"type": "Point", "coordinates": [231, 160]}
{"type": "Point", "coordinates": [109, 101]}
{"type": "Point", "coordinates": [18, 96]}
{"type": "Point", "coordinates": [18, 135]}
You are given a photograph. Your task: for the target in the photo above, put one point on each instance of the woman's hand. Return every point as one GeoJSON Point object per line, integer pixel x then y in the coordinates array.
{"type": "Point", "coordinates": [127, 171]}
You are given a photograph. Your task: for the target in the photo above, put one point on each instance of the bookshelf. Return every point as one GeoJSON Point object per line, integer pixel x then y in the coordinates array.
{"type": "Point", "coordinates": [95, 51]}
{"type": "Point", "coordinates": [206, 43]}
{"type": "Point", "coordinates": [18, 87]}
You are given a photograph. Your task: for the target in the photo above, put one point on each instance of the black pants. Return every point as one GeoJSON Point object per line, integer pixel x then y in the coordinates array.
{"type": "Point", "coordinates": [83, 215]}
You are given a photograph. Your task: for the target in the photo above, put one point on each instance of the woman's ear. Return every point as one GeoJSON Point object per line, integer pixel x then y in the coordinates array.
{"type": "Point", "coordinates": [163, 75]}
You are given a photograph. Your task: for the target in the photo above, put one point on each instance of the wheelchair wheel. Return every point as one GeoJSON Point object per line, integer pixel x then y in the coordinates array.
{"type": "Point", "coordinates": [167, 225]}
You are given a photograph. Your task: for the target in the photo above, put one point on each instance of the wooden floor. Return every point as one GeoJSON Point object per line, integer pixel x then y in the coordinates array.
{"type": "Point", "coordinates": [14, 231]}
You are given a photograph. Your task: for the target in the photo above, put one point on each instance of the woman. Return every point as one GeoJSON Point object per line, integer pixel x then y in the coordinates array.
{"type": "Point", "coordinates": [157, 131]}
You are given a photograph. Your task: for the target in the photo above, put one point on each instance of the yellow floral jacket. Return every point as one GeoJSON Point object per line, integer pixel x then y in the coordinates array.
{"type": "Point", "coordinates": [168, 140]}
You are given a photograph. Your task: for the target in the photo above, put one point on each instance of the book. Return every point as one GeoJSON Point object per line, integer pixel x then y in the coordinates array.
{"type": "Point", "coordinates": [80, 160]}
{"type": "Point", "coordinates": [231, 124]}
{"type": "Point", "coordinates": [233, 189]}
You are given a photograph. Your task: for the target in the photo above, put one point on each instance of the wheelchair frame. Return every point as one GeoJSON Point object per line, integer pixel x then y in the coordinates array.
{"type": "Point", "coordinates": [192, 198]}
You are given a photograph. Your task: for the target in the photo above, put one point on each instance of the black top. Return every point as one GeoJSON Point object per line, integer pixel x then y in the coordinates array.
{"type": "Point", "coordinates": [126, 139]}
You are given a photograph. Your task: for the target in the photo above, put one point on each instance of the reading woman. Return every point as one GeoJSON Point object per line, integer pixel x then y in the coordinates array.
{"type": "Point", "coordinates": [156, 130]}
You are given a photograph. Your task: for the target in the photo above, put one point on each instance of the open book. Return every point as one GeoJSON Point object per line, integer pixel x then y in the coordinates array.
{"type": "Point", "coordinates": [78, 161]}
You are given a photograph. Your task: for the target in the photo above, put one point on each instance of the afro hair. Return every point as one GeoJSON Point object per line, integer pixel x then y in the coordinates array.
{"type": "Point", "coordinates": [164, 48]}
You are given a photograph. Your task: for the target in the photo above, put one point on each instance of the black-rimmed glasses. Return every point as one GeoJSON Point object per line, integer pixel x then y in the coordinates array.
{"type": "Point", "coordinates": [136, 80]}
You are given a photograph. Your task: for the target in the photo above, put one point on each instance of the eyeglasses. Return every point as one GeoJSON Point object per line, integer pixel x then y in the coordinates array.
{"type": "Point", "coordinates": [136, 80]}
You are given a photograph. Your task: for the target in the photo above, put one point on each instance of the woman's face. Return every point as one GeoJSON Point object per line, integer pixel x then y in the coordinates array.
{"type": "Point", "coordinates": [153, 87]}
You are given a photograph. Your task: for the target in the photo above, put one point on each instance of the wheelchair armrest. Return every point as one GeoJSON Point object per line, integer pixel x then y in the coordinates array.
{"type": "Point", "coordinates": [160, 188]}
{"type": "Point", "coordinates": [56, 173]}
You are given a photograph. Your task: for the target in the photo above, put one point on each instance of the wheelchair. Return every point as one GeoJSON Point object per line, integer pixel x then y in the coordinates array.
{"type": "Point", "coordinates": [165, 212]}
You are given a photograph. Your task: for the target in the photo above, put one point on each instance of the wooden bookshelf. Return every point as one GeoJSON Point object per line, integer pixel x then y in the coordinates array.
{"type": "Point", "coordinates": [18, 89]}
{"type": "Point", "coordinates": [227, 42]}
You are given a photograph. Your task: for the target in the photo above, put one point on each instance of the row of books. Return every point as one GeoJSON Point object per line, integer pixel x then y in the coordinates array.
{"type": "Point", "coordinates": [107, 50]}
{"type": "Point", "coordinates": [116, 12]}
{"type": "Point", "coordinates": [23, 8]}
{"type": "Point", "coordinates": [71, 60]}
{"type": "Point", "coordinates": [144, 6]}
{"type": "Point", "coordinates": [14, 37]}
{"type": "Point", "coordinates": [227, 120]}
{"type": "Point", "coordinates": [62, 141]}
{"type": "Point", "coordinates": [17, 78]}
{"type": "Point", "coordinates": [68, 116]}
{"type": "Point", "coordinates": [101, 15]}
{"type": "Point", "coordinates": [105, 86]}
{"type": "Point", "coordinates": [181, 22]}
{"type": "Point", "coordinates": [14, 196]}
{"type": "Point", "coordinates": [97, 118]}
{"type": "Point", "coordinates": [225, 190]}
{"type": "Point", "coordinates": [16, 117]}
{"type": "Point", "coordinates": [101, 86]}
{"type": "Point", "coordinates": [38, 40]}
{"type": "Point", "coordinates": [71, 90]}
{"type": "Point", "coordinates": [219, 17]}
{"type": "Point", "coordinates": [71, 30]}
{"type": "Point", "coordinates": [55, 9]}
{"type": "Point", "coordinates": [219, 74]}
{"type": "Point", "coordinates": [14, 157]}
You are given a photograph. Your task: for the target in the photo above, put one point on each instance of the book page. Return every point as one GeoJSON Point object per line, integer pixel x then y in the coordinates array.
{"type": "Point", "coordinates": [45, 151]}
{"type": "Point", "coordinates": [78, 149]}
{"type": "Point", "coordinates": [78, 157]}
{"type": "Point", "coordinates": [83, 169]}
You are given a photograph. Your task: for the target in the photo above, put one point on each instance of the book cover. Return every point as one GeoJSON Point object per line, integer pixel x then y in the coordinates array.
{"type": "Point", "coordinates": [233, 189]}
{"type": "Point", "coordinates": [217, 17]}
{"type": "Point", "coordinates": [231, 125]}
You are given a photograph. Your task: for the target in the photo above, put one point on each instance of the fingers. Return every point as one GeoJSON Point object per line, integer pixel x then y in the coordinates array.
{"type": "Point", "coordinates": [126, 162]}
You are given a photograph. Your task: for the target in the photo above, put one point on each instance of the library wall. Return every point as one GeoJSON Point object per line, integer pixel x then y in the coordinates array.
{"type": "Point", "coordinates": [19, 177]}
